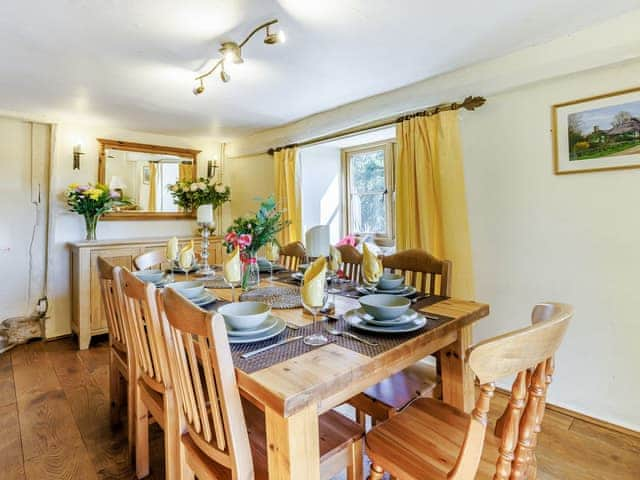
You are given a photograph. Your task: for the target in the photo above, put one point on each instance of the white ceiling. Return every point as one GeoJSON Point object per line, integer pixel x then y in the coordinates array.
{"type": "Point", "coordinates": [131, 63]}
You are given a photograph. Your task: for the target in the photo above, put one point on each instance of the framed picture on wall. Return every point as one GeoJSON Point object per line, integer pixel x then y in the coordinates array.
{"type": "Point", "coordinates": [597, 133]}
{"type": "Point", "coordinates": [146, 174]}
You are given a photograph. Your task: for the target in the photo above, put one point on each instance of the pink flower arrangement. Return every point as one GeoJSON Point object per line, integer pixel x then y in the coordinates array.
{"type": "Point", "coordinates": [243, 240]}
{"type": "Point", "coordinates": [348, 240]}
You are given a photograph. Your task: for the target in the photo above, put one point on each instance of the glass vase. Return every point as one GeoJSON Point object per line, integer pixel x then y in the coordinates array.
{"type": "Point", "coordinates": [91, 222]}
{"type": "Point", "coordinates": [250, 273]}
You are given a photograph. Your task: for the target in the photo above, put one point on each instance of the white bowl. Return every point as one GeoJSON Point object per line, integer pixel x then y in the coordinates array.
{"type": "Point", "coordinates": [389, 281]}
{"type": "Point", "coordinates": [152, 276]}
{"type": "Point", "coordinates": [384, 306]}
{"type": "Point", "coordinates": [188, 289]}
{"type": "Point", "coordinates": [244, 315]}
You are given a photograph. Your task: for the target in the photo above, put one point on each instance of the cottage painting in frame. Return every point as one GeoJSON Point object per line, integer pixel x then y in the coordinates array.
{"type": "Point", "coordinates": [597, 133]}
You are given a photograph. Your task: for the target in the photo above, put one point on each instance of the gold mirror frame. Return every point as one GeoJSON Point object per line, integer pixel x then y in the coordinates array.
{"type": "Point", "coordinates": [144, 148]}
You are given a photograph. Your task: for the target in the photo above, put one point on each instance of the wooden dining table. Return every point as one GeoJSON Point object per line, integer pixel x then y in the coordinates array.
{"type": "Point", "coordinates": [294, 392]}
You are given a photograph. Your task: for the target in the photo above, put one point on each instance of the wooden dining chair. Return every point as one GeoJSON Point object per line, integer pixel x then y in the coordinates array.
{"type": "Point", "coordinates": [292, 254]}
{"type": "Point", "coordinates": [148, 260]}
{"type": "Point", "coordinates": [225, 438]}
{"type": "Point", "coordinates": [429, 276]}
{"type": "Point", "coordinates": [351, 262]}
{"type": "Point", "coordinates": [432, 440]}
{"type": "Point", "coordinates": [121, 371]}
{"type": "Point", "coordinates": [154, 392]}
{"type": "Point", "coordinates": [540, 313]}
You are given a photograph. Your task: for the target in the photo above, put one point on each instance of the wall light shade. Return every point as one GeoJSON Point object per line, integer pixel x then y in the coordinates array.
{"type": "Point", "coordinates": [224, 76]}
{"type": "Point", "coordinates": [273, 38]}
{"type": "Point", "coordinates": [77, 151]}
{"type": "Point", "coordinates": [198, 88]}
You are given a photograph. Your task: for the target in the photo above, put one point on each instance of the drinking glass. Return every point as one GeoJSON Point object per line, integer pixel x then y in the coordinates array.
{"type": "Point", "coordinates": [272, 256]}
{"type": "Point", "coordinates": [316, 338]}
{"type": "Point", "coordinates": [232, 284]}
{"type": "Point", "coordinates": [186, 262]}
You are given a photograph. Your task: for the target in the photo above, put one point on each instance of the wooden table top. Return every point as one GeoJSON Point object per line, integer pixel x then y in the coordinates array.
{"type": "Point", "coordinates": [331, 374]}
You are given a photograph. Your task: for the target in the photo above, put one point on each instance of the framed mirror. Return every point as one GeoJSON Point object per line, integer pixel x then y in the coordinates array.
{"type": "Point", "coordinates": [140, 173]}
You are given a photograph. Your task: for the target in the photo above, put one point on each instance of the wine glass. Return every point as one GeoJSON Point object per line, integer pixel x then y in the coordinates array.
{"type": "Point", "coordinates": [272, 256]}
{"type": "Point", "coordinates": [186, 263]}
{"type": "Point", "coordinates": [232, 283]}
{"type": "Point", "coordinates": [315, 306]}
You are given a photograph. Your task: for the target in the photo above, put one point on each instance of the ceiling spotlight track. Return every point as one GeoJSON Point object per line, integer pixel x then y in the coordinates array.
{"type": "Point", "coordinates": [231, 52]}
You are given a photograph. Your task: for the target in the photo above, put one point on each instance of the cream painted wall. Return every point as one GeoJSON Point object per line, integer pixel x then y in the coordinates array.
{"type": "Point", "coordinates": [321, 178]}
{"type": "Point", "coordinates": [24, 163]}
{"type": "Point", "coordinates": [67, 227]}
{"type": "Point", "coordinates": [250, 178]}
{"type": "Point", "coordinates": [536, 236]}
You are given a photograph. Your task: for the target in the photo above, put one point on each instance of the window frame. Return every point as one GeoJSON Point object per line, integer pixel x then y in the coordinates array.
{"type": "Point", "coordinates": [389, 147]}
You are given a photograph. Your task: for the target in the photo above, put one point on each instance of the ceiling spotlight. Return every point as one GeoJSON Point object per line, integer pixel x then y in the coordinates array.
{"type": "Point", "coordinates": [198, 88]}
{"type": "Point", "coordinates": [224, 76]}
{"type": "Point", "coordinates": [273, 38]}
{"type": "Point", "coordinates": [231, 52]}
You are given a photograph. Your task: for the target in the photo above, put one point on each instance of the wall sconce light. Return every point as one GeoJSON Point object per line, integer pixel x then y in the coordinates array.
{"type": "Point", "coordinates": [212, 166]}
{"type": "Point", "coordinates": [77, 151]}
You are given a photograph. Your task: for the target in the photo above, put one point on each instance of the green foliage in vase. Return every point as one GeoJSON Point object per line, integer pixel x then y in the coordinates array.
{"type": "Point", "coordinates": [253, 231]}
{"type": "Point", "coordinates": [189, 194]}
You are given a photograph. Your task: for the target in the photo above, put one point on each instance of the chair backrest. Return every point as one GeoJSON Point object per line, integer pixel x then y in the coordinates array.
{"type": "Point", "coordinates": [141, 314]}
{"type": "Point", "coordinates": [150, 259]}
{"type": "Point", "coordinates": [111, 294]}
{"type": "Point", "coordinates": [513, 353]}
{"type": "Point", "coordinates": [292, 254]}
{"type": "Point", "coordinates": [351, 262]}
{"type": "Point", "coordinates": [205, 382]}
{"type": "Point", "coordinates": [422, 270]}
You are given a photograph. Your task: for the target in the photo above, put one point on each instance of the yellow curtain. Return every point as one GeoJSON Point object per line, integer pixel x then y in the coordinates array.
{"type": "Point", "coordinates": [431, 205]}
{"type": "Point", "coordinates": [287, 193]}
{"type": "Point", "coordinates": [153, 180]}
{"type": "Point", "coordinates": [185, 171]}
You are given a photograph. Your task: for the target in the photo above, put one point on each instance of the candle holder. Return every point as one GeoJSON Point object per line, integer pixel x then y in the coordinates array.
{"type": "Point", "coordinates": [206, 229]}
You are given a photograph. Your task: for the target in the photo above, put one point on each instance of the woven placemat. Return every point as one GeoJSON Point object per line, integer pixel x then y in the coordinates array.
{"type": "Point", "coordinates": [277, 297]}
{"type": "Point", "coordinates": [297, 348]}
{"type": "Point", "coordinates": [216, 282]}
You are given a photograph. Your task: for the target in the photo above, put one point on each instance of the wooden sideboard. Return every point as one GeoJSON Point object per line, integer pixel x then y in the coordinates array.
{"type": "Point", "coordinates": [87, 312]}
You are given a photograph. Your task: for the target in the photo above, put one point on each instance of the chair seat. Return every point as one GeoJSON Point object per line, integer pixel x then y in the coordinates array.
{"type": "Point", "coordinates": [396, 391]}
{"type": "Point", "coordinates": [336, 433]}
{"type": "Point", "coordinates": [423, 442]}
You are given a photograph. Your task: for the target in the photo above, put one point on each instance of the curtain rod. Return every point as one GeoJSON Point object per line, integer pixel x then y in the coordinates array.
{"type": "Point", "coordinates": [469, 103]}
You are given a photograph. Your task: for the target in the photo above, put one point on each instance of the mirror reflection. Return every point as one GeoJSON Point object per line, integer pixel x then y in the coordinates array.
{"type": "Point", "coordinates": [141, 179]}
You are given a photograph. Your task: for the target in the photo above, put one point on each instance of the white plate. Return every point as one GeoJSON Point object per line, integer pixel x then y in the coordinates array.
{"type": "Point", "coordinates": [353, 318]}
{"type": "Point", "coordinates": [275, 330]}
{"type": "Point", "coordinates": [406, 317]}
{"type": "Point", "coordinates": [205, 299]}
{"type": "Point", "coordinates": [263, 327]}
{"type": "Point", "coordinates": [405, 291]}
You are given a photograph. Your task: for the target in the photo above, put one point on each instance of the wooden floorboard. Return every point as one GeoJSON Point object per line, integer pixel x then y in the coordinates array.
{"type": "Point", "coordinates": [54, 424]}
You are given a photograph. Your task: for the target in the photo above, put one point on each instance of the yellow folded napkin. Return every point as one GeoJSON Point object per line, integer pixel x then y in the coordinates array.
{"type": "Point", "coordinates": [371, 266]}
{"type": "Point", "coordinates": [232, 266]}
{"type": "Point", "coordinates": [187, 256]}
{"type": "Point", "coordinates": [314, 284]}
{"type": "Point", "coordinates": [171, 252]}
{"type": "Point", "coordinates": [335, 258]}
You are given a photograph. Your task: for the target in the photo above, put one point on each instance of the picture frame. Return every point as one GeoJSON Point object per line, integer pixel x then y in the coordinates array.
{"type": "Point", "coordinates": [146, 175]}
{"type": "Point", "coordinates": [597, 133]}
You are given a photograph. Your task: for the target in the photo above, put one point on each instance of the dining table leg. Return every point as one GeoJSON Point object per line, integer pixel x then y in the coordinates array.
{"type": "Point", "coordinates": [293, 449]}
{"type": "Point", "coordinates": [457, 378]}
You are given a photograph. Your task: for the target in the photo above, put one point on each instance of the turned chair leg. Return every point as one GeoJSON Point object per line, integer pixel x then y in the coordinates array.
{"type": "Point", "coordinates": [142, 436]}
{"type": "Point", "coordinates": [355, 468]}
{"type": "Point", "coordinates": [115, 391]}
{"type": "Point", "coordinates": [376, 472]}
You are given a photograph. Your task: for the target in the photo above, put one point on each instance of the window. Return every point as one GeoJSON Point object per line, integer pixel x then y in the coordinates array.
{"type": "Point", "coordinates": [368, 189]}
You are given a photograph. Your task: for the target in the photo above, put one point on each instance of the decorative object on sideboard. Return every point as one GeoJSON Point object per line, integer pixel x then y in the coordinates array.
{"type": "Point", "coordinates": [77, 151]}
{"type": "Point", "coordinates": [597, 133]}
{"type": "Point", "coordinates": [207, 225]}
{"type": "Point", "coordinates": [90, 201]}
{"type": "Point", "coordinates": [231, 52]}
